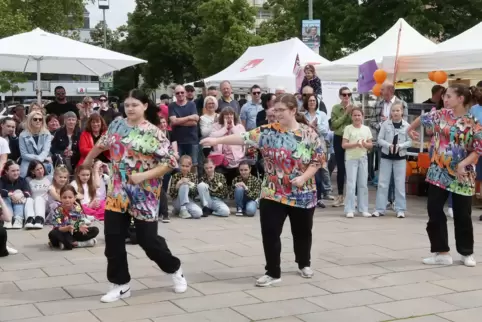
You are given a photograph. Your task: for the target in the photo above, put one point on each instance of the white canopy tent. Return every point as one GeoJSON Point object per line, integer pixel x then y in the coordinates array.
{"type": "Point", "coordinates": [410, 42]}
{"type": "Point", "coordinates": [269, 66]}
{"type": "Point", "coordinates": [39, 51]}
{"type": "Point", "coordinates": [460, 56]}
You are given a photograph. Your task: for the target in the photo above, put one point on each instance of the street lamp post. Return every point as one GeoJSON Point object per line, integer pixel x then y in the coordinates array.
{"type": "Point", "coordinates": [310, 9]}
{"type": "Point", "coordinates": [104, 5]}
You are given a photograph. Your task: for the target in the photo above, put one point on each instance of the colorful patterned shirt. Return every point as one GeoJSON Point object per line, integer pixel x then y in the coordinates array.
{"type": "Point", "coordinates": [454, 139]}
{"type": "Point", "coordinates": [135, 149]}
{"type": "Point", "coordinates": [287, 154]}
{"type": "Point", "coordinates": [63, 217]}
{"type": "Point", "coordinates": [217, 185]}
{"type": "Point", "coordinates": [173, 191]}
{"type": "Point", "coordinates": [253, 184]}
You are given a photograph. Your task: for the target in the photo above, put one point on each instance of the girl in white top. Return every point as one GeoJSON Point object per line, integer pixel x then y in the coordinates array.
{"type": "Point", "coordinates": [207, 120]}
{"type": "Point", "coordinates": [87, 183]}
{"type": "Point", "coordinates": [357, 139]}
{"type": "Point", "coordinates": [36, 206]}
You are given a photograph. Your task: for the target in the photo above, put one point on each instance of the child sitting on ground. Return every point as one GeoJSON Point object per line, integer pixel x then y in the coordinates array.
{"type": "Point", "coordinates": [183, 190]}
{"type": "Point", "coordinates": [87, 182]}
{"type": "Point", "coordinates": [69, 227]}
{"type": "Point", "coordinates": [212, 190]}
{"type": "Point", "coordinates": [247, 189]}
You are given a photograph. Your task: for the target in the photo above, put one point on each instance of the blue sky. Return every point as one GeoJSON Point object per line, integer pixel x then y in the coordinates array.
{"type": "Point", "coordinates": [117, 14]}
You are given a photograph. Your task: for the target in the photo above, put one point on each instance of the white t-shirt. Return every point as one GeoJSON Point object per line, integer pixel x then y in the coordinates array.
{"type": "Point", "coordinates": [85, 187]}
{"type": "Point", "coordinates": [40, 188]}
{"type": "Point", "coordinates": [4, 146]}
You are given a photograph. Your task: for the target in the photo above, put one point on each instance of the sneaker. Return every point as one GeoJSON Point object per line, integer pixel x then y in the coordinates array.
{"type": "Point", "coordinates": [307, 272]}
{"type": "Point", "coordinates": [239, 212]}
{"type": "Point", "coordinates": [350, 215]}
{"type": "Point", "coordinates": [7, 225]}
{"type": "Point", "coordinates": [18, 224]}
{"type": "Point", "coordinates": [390, 206]}
{"type": "Point", "coordinates": [328, 197]}
{"type": "Point", "coordinates": [206, 212]}
{"type": "Point", "coordinates": [450, 213]}
{"type": "Point", "coordinates": [339, 201]}
{"type": "Point", "coordinates": [376, 214]}
{"type": "Point", "coordinates": [469, 260]}
{"type": "Point", "coordinates": [438, 259]}
{"type": "Point", "coordinates": [321, 204]}
{"type": "Point", "coordinates": [180, 283]}
{"type": "Point", "coordinates": [38, 222]}
{"type": "Point", "coordinates": [61, 246]}
{"type": "Point", "coordinates": [184, 214]}
{"type": "Point", "coordinates": [13, 251]}
{"type": "Point", "coordinates": [116, 293]}
{"type": "Point", "coordinates": [88, 243]}
{"type": "Point", "coordinates": [166, 219]}
{"type": "Point", "coordinates": [400, 214]}
{"type": "Point", "coordinates": [29, 223]}
{"type": "Point", "coordinates": [267, 280]}
{"type": "Point", "coordinates": [366, 214]}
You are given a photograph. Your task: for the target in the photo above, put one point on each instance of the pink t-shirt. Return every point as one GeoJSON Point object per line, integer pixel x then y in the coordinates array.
{"type": "Point", "coordinates": [164, 112]}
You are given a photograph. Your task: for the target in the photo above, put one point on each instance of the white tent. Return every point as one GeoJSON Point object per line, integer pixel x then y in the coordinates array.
{"type": "Point", "coordinates": [411, 42]}
{"type": "Point", "coordinates": [268, 66]}
{"type": "Point", "coordinates": [39, 51]}
{"type": "Point", "coordinates": [460, 55]}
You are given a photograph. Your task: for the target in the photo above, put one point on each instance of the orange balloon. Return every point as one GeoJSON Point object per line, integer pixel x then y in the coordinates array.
{"type": "Point", "coordinates": [430, 75]}
{"type": "Point", "coordinates": [440, 77]}
{"type": "Point", "coordinates": [380, 76]}
{"type": "Point", "coordinates": [377, 89]}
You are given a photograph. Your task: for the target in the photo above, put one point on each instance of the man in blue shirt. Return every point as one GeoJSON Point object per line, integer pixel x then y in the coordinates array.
{"type": "Point", "coordinates": [250, 110]}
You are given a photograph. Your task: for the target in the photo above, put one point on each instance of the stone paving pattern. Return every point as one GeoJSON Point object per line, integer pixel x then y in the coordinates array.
{"type": "Point", "coordinates": [366, 270]}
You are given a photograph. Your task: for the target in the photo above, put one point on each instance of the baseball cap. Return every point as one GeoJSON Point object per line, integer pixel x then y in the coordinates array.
{"type": "Point", "coordinates": [189, 88]}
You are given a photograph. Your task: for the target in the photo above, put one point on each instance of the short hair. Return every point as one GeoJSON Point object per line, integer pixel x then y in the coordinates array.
{"type": "Point", "coordinates": [51, 117]}
{"type": "Point", "coordinates": [254, 87]}
{"type": "Point", "coordinates": [212, 98]}
{"type": "Point", "coordinates": [59, 87]}
{"type": "Point", "coordinates": [189, 88]}
{"type": "Point", "coordinates": [69, 114]}
{"type": "Point", "coordinates": [225, 82]}
{"type": "Point", "coordinates": [436, 89]}
{"type": "Point", "coordinates": [244, 162]}
{"type": "Point", "coordinates": [212, 88]}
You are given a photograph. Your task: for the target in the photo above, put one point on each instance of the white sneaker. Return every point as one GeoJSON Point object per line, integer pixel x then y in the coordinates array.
{"type": "Point", "coordinates": [450, 213]}
{"type": "Point", "coordinates": [469, 260]}
{"type": "Point", "coordinates": [307, 272]}
{"type": "Point", "coordinates": [438, 259]}
{"type": "Point", "coordinates": [116, 293]}
{"type": "Point", "coordinates": [180, 283]}
{"type": "Point", "coordinates": [17, 224]}
{"type": "Point", "coordinates": [88, 243]}
{"type": "Point", "coordinates": [7, 225]}
{"type": "Point", "coordinates": [400, 214]}
{"type": "Point", "coordinates": [184, 214]}
{"type": "Point", "coordinates": [267, 280]}
{"type": "Point", "coordinates": [376, 214]}
{"type": "Point", "coordinates": [239, 212]}
{"type": "Point", "coordinates": [11, 251]}
{"type": "Point", "coordinates": [350, 215]}
{"type": "Point", "coordinates": [366, 214]}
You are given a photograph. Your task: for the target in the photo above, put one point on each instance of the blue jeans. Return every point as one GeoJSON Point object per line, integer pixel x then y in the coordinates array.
{"type": "Point", "coordinates": [243, 202]}
{"type": "Point", "coordinates": [356, 178]}
{"type": "Point", "coordinates": [17, 209]}
{"type": "Point", "coordinates": [396, 170]}
{"type": "Point", "coordinates": [183, 200]}
{"type": "Point", "coordinates": [218, 206]}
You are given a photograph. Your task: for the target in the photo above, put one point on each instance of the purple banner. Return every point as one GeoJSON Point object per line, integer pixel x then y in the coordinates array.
{"type": "Point", "coordinates": [365, 76]}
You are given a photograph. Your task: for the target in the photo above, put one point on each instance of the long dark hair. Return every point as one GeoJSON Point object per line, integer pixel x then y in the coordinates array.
{"type": "Point", "coordinates": [265, 98]}
{"type": "Point", "coordinates": [31, 168]}
{"type": "Point", "coordinates": [305, 101]}
{"type": "Point", "coordinates": [151, 112]}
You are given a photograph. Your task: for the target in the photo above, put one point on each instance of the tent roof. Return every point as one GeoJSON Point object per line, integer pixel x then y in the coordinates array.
{"type": "Point", "coordinates": [268, 66]}
{"type": "Point", "coordinates": [411, 42]}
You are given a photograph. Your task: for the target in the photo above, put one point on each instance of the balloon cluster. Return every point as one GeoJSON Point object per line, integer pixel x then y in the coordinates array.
{"type": "Point", "coordinates": [438, 77]}
{"type": "Point", "coordinates": [379, 76]}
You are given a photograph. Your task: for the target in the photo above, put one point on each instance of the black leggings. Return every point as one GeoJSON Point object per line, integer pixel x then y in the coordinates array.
{"type": "Point", "coordinates": [3, 241]}
{"type": "Point", "coordinates": [56, 236]}
{"type": "Point", "coordinates": [340, 163]}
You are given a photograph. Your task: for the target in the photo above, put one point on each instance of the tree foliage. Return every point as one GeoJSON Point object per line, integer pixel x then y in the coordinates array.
{"type": "Point", "coordinates": [9, 82]}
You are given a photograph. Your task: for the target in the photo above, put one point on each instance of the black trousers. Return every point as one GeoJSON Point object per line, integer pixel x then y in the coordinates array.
{"type": "Point", "coordinates": [163, 206]}
{"type": "Point", "coordinates": [272, 216]}
{"type": "Point", "coordinates": [229, 174]}
{"type": "Point", "coordinates": [437, 221]}
{"type": "Point", "coordinates": [340, 163]}
{"type": "Point", "coordinates": [3, 241]}
{"type": "Point", "coordinates": [115, 227]}
{"type": "Point", "coordinates": [66, 238]}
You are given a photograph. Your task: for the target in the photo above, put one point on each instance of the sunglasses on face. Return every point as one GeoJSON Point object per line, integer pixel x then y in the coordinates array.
{"type": "Point", "coordinates": [346, 94]}
{"type": "Point", "coordinates": [256, 93]}
{"type": "Point", "coordinates": [60, 93]}
{"type": "Point", "coordinates": [101, 101]}
{"type": "Point", "coordinates": [180, 93]}
{"type": "Point", "coordinates": [37, 120]}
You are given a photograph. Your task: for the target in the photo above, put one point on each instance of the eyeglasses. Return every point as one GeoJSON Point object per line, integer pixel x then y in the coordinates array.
{"type": "Point", "coordinates": [180, 93]}
{"type": "Point", "coordinates": [346, 94]}
{"type": "Point", "coordinates": [89, 102]}
{"type": "Point", "coordinates": [304, 95]}
{"type": "Point", "coordinates": [101, 101]}
{"type": "Point", "coordinates": [60, 93]}
{"type": "Point", "coordinates": [256, 93]}
{"type": "Point", "coordinates": [37, 120]}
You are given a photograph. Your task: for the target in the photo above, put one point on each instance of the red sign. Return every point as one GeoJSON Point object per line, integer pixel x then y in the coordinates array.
{"type": "Point", "coordinates": [251, 64]}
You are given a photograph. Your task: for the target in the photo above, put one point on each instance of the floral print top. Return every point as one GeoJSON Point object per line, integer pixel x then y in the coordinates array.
{"type": "Point", "coordinates": [63, 217]}
{"type": "Point", "coordinates": [173, 191]}
{"type": "Point", "coordinates": [217, 185]}
{"type": "Point", "coordinates": [135, 149]}
{"type": "Point", "coordinates": [253, 184]}
{"type": "Point", "coordinates": [287, 154]}
{"type": "Point", "coordinates": [454, 138]}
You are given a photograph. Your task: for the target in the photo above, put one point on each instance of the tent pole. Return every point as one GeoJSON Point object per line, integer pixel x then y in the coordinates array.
{"type": "Point", "coordinates": [39, 85]}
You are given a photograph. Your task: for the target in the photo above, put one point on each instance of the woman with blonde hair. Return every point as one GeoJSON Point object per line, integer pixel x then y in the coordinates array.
{"type": "Point", "coordinates": [35, 142]}
{"type": "Point", "coordinates": [36, 107]}
{"type": "Point", "coordinates": [86, 108]}
{"type": "Point", "coordinates": [207, 120]}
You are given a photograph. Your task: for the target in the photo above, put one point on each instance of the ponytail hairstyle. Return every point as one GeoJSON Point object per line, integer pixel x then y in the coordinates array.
{"type": "Point", "coordinates": [151, 113]}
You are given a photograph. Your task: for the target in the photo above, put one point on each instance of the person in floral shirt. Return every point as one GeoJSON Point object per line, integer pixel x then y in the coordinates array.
{"type": "Point", "coordinates": [457, 138]}
{"type": "Point", "coordinates": [69, 226]}
{"type": "Point", "coordinates": [292, 153]}
{"type": "Point", "coordinates": [140, 156]}
{"type": "Point", "coordinates": [212, 189]}
{"type": "Point", "coordinates": [247, 189]}
{"type": "Point", "coordinates": [183, 190]}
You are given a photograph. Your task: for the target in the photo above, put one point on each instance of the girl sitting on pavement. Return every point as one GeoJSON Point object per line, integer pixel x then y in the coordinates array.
{"type": "Point", "coordinates": [60, 179]}
{"type": "Point", "coordinates": [69, 226]}
{"type": "Point", "coordinates": [39, 186]}
{"type": "Point", "coordinates": [247, 189]}
{"type": "Point", "coordinates": [183, 190]}
{"type": "Point", "coordinates": [87, 183]}
{"type": "Point", "coordinates": [212, 190]}
{"type": "Point", "coordinates": [5, 216]}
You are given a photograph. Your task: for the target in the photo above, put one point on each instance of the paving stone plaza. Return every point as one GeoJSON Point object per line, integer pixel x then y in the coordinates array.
{"type": "Point", "coordinates": [366, 270]}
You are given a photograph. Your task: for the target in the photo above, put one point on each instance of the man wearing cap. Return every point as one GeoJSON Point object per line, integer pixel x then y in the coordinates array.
{"type": "Point", "coordinates": [190, 92]}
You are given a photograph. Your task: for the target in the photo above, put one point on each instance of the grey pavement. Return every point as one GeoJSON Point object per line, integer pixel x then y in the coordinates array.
{"type": "Point", "coordinates": [366, 270]}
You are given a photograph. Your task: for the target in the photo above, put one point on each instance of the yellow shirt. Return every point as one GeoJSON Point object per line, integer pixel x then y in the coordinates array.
{"type": "Point", "coordinates": [353, 135]}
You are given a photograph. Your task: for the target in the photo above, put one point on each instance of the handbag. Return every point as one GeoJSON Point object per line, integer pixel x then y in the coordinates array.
{"type": "Point", "coordinates": [218, 159]}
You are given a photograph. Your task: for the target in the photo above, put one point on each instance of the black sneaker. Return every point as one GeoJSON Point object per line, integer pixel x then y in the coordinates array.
{"type": "Point", "coordinates": [38, 222]}
{"type": "Point", "coordinates": [166, 219]}
{"type": "Point", "coordinates": [29, 224]}
{"type": "Point", "coordinates": [321, 204]}
{"type": "Point", "coordinates": [206, 212]}
{"type": "Point", "coordinates": [480, 218]}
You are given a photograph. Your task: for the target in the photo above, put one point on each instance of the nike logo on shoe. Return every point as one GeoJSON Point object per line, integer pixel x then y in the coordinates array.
{"type": "Point", "coordinates": [122, 293]}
